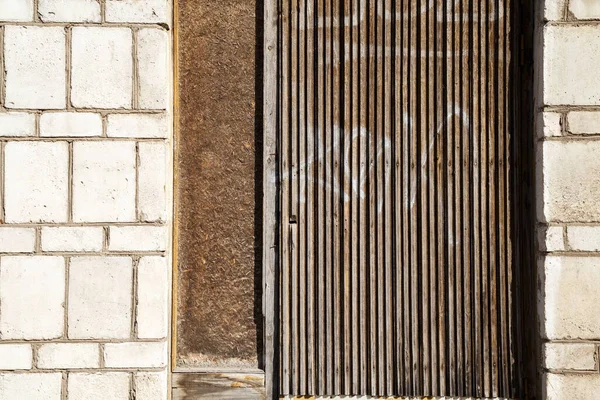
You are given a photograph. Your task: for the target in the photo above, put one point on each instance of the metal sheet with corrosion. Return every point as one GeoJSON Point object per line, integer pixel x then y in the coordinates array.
{"type": "Point", "coordinates": [218, 287]}
{"type": "Point", "coordinates": [398, 185]}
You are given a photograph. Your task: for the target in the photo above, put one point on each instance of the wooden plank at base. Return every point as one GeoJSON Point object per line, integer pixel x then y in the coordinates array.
{"type": "Point", "coordinates": [193, 386]}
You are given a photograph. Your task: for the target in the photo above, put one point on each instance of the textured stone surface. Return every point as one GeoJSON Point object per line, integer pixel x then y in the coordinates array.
{"type": "Point", "coordinates": [152, 185]}
{"type": "Point", "coordinates": [569, 51]}
{"type": "Point", "coordinates": [102, 67]}
{"type": "Point", "coordinates": [16, 10]}
{"type": "Point", "coordinates": [40, 165]}
{"type": "Point", "coordinates": [571, 191]}
{"type": "Point", "coordinates": [34, 60]}
{"type": "Point", "coordinates": [15, 356]}
{"type": "Point", "coordinates": [585, 9]}
{"type": "Point", "coordinates": [153, 297]}
{"type": "Point", "coordinates": [96, 386]}
{"type": "Point", "coordinates": [554, 9]}
{"type": "Point", "coordinates": [72, 238]}
{"type": "Point", "coordinates": [68, 355]}
{"type": "Point", "coordinates": [32, 386]}
{"type": "Point", "coordinates": [584, 238]}
{"type": "Point", "coordinates": [570, 356]}
{"type": "Point", "coordinates": [17, 124]}
{"type": "Point", "coordinates": [104, 181]}
{"type": "Point", "coordinates": [70, 124]}
{"type": "Point", "coordinates": [100, 297]}
{"type": "Point", "coordinates": [551, 124]}
{"type": "Point", "coordinates": [571, 386]}
{"type": "Point", "coordinates": [69, 10]}
{"type": "Point", "coordinates": [138, 238]}
{"type": "Point", "coordinates": [569, 294]}
{"type": "Point", "coordinates": [584, 122]}
{"type": "Point", "coordinates": [16, 240]}
{"type": "Point", "coordinates": [150, 385]}
{"type": "Point", "coordinates": [32, 295]}
{"type": "Point", "coordinates": [137, 125]}
{"type": "Point", "coordinates": [551, 238]}
{"type": "Point", "coordinates": [153, 61]}
{"type": "Point", "coordinates": [138, 354]}
{"type": "Point", "coordinates": [157, 11]}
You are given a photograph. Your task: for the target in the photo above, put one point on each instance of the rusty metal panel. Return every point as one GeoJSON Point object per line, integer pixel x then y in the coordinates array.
{"type": "Point", "coordinates": [397, 198]}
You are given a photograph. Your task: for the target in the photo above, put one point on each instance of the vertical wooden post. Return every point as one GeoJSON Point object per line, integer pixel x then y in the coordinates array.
{"type": "Point", "coordinates": [270, 195]}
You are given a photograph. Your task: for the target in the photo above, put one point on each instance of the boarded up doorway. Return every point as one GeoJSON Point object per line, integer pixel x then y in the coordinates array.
{"type": "Point", "coordinates": [402, 211]}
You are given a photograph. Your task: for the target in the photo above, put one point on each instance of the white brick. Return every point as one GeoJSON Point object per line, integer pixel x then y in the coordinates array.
{"type": "Point", "coordinates": [570, 356]}
{"type": "Point", "coordinates": [584, 122]}
{"type": "Point", "coordinates": [16, 10]}
{"type": "Point", "coordinates": [103, 181]}
{"type": "Point", "coordinates": [153, 296]}
{"type": "Point", "coordinates": [17, 240]}
{"type": "Point", "coordinates": [551, 238]}
{"type": "Point", "coordinates": [571, 298]}
{"type": "Point", "coordinates": [554, 9]}
{"type": "Point", "coordinates": [99, 386]}
{"type": "Point", "coordinates": [137, 125]}
{"type": "Point", "coordinates": [585, 9]}
{"type": "Point", "coordinates": [571, 188]}
{"type": "Point", "coordinates": [17, 124]}
{"type": "Point", "coordinates": [72, 238]}
{"type": "Point", "coordinates": [154, 11]}
{"type": "Point", "coordinates": [68, 355]}
{"type": "Point", "coordinates": [151, 385]}
{"type": "Point", "coordinates": [31, 386]}
{"type": "Point", "coordinates": [152, 186]}
{"type": "Point", "coordinates": [583, 238]}
{"type": "Point", "coordinates": [15, 356]}
{"type": "Point", "coordinates": [551, 124]}
{"type": "Point", "coordinates": [100, 291]}
{"type": "Point", "coordinates": [102, 67]}
{"type": "Point", "coordinates": [69, 10]}
{"type": "Point", "coordinates": [57, 124]}
{"type": "Point", "coordinates": [35, 67]}
{"type": "Point", "coordinates": [153, 64]}
{"type": "Point", "coordinates": [32, 295]}
{"type": "Point", "coordinates": [568, 53]}
{"type": "Point", "coordinates": [138, 238]}
{"type": "Point", "coordinates": [36, 181]}
{"type": "Point", "coordinates": [572, 386]}
{"type": "Point", "coordinates": [135, 355]}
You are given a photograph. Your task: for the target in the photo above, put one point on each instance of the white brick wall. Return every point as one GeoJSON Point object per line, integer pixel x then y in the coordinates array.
{"type": "Point", "coordinates": [568, 169]}
{"type": "Point", "coordinates": [85, 127]}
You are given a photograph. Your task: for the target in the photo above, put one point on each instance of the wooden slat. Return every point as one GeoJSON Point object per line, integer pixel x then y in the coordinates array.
{"type": "Point", "coordinates": [193, 386]}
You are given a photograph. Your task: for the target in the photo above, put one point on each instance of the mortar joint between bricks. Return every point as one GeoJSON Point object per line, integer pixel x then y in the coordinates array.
{"type": "Point", "coordinates": [35, 347]}
{"type": "Point", "coordinates": [135, 101]}
{"type": "Point", "coordinates": [68, 64]}
{"type": "Point", "coordinates": [64, 386]}
{"type": "Point", "coordinates": [134, 297]}
{"type": "Point", "coordinates": [66, 300]}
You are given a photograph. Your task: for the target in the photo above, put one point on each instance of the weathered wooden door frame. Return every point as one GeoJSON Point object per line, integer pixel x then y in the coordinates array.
{"type": "Point", "coordinates": [522, 119]}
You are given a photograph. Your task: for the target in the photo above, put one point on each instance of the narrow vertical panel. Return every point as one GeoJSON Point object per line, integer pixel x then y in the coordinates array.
{"type": "Point", "coordinates": [311, 201]}
{"type": "Point", "coordinates": [362, 200]}
{"type": "Point", "coordinates": [354, 196]}
{"type": "Point", "coordinates": [346, 196]}
{"type": "Point", "coordinates": [285, 188]}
